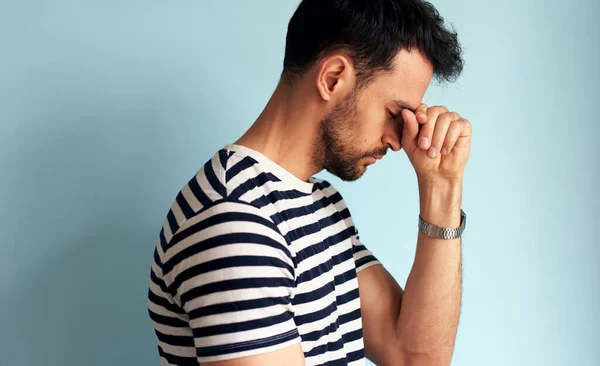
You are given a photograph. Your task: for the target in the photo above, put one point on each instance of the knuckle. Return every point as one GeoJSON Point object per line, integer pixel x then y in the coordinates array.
{"type": "Point", "coordinates": [447, 117]}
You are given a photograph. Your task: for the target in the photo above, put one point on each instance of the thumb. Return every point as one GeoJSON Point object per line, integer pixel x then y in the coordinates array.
{"type": "Point", "coordinates": [410, 131]}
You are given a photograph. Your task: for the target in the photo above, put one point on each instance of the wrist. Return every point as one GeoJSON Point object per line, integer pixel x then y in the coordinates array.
{"type": "Point", "coordinates": [440, 202]}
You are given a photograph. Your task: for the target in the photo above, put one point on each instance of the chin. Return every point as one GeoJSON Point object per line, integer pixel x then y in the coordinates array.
{"type": "Point", "coordinates": [355, 175]}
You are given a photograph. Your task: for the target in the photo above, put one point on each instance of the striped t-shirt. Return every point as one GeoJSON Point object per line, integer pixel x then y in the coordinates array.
{"type": "Point", "coordinates": [252, 259]}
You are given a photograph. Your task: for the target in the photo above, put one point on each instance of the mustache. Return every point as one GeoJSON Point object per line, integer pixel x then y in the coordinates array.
{"type": "Point", "coordinates": [381, 151]}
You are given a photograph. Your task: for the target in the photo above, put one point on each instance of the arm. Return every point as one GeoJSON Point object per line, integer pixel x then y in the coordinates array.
{"type": "Point", "coordinates": [289, 356]}
{"type": "Point", "coordinates": [426, 326]}
{"type": "Point", "coordinates": [422, 320]}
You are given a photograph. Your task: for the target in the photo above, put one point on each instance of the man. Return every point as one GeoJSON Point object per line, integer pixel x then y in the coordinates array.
{"type": "Point", "coordinates": [258, 263]}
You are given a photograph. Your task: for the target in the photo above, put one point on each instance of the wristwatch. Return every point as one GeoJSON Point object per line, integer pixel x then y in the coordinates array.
{"type": "Point", "coordinates": [442, 232]}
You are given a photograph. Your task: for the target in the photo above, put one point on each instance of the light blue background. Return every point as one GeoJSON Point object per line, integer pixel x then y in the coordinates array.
{"type": "Point", "coordinates": [107, 108]}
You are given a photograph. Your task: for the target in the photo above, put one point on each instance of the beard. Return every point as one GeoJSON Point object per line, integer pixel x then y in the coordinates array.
{"type": "Point", "coordinates": [336, 149]}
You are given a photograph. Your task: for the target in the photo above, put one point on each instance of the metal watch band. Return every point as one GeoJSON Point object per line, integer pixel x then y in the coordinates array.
{"type": "Point", "coordinates": [442, 232]}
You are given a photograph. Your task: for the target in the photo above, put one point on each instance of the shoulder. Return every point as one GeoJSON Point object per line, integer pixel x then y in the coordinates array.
{"type": "Point", "coordinates": [330, 191]}
{"type": "Point", "coordinates": [225, 229]}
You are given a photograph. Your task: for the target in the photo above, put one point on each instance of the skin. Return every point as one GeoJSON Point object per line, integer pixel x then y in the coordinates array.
{"type": "Point", "coordinates": [323, 122]}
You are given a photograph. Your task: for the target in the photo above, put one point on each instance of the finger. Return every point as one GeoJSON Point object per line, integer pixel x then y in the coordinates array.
{"type": "Point", "coordinates": [465, 134]}
{"type": "Point", "coordinates": [451, 137]}
{"type": "Point", "coordinates": [410, 131]}
{"type": "Point", "coordinates": [421, 113]}
{"type": "Point", "coordinates": [439, 134]}
{"type": "Point", "coordinates": [427, 129]}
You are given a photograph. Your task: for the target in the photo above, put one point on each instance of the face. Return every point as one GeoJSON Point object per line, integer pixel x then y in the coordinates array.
{"type": "Point", "coordinates": [365, 124]}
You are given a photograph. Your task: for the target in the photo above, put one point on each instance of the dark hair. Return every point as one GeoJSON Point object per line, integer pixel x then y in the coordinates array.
{"type": "Point", "coordinates": [372, 32]}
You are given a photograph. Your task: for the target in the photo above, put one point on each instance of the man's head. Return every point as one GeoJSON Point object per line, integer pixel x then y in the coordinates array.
{"type": "Point", "coordinates": [369, 59]}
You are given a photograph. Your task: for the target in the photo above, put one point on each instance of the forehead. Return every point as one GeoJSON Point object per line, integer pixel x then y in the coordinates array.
{"type": "Point", "coordinates": [408, 80]}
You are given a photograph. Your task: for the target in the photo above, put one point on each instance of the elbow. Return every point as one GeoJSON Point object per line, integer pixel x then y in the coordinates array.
{"type": "Point", "coordinates": [419, 356]}
{"type": "Point", "coordinates": [422, 359]}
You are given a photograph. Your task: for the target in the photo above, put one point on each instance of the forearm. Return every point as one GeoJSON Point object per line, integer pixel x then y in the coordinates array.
{"type": "Point", "coordinates": [428, 319]}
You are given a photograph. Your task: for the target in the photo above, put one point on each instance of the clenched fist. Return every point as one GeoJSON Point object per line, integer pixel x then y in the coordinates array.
{"type": "Point", "coordinates": [437, 142]}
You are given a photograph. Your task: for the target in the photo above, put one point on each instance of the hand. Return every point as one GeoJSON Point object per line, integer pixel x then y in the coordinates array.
{"type": "Point", "coordinates": [437, 142]}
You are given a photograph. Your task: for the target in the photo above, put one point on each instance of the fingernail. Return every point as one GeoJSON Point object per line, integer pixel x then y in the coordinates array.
{"type": "Point", "coordinates": [444, 151]}
{"type": "Point", "coordinates": [431, 153]}
{"type": "Point", "coordinates": [424, 141]}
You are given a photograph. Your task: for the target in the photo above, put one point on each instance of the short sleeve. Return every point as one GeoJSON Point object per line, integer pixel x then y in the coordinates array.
{"type": "Point", "coordinates": [363, 257]}
{"type": "Point", "coordinates": [232, 272]}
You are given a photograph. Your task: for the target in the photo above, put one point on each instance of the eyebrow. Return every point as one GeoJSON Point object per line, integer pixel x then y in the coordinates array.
{"type": "Point", "coordinates": [404, 105]}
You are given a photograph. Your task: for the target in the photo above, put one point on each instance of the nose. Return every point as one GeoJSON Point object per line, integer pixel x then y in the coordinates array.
{"type": "Point", "coordinates": [391, 136]}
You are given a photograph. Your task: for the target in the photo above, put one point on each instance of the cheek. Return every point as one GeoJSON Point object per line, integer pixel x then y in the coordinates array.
{"type": "Point", "coordinates": [371, 127]}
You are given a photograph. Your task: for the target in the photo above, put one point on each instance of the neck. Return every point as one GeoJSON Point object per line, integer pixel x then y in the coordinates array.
{"type": "Point", "coordinates": [287, 131]}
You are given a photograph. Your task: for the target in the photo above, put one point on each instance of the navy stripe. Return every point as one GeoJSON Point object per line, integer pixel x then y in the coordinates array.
{"type": "Point", "coordinates": [352, 336]}
{"type": "Point", "coordinates": [296, 212]}
{"type": "Point", "coordinates": [276, 196]}
{"type": "Point", "coordinates": [345, 277]}
{"type": "Point", "coordinates": [252, 183]}
{"type": "Point", "coordinates": [238, 167]}
{"type": "Point", "coordinates": [157, 257]}
{"type": "Point", "coordinates": [198, 192]}
{"type": "Point", "coordinates": [359, 248]}
{"type": "Point", "coordinates": [314, 272]}
{"type": "Point", "coordinates": [159, 282]}
{"type": "Point", "coordinates": [174, 340]}
{"type": "Point", "coordinates": [219, 218]}
{"type": "Point", "coordinates": [356, 355]}
{"type": "Point", "coordinates": [178, 360]}
{"type": "Point", "coordinates": [316, 294]}
{"type": "Point", "coordinates": [235, 284]}
{"type": "Point", "coordinates": [229, 262]}
{"type": "Point", "coordinates": [317, 334]}
{"type": "Point", "coordinates": [314, 227]}
{"type": "Point", "coordinates": [322, 184]}
{"type": "Point", "coordinates": [223, 217]}
{"type": "Point", "coordinates": [223, 157]}
{"type": "Point", "coordinates": [339, 362]}
{"type": "Point", "coordinates": [328, 347]}
{"type": "Point", "coordinates": [184, 206]}
{"type": "Point", "coordinates": [168, 320]}
{"type": "Point", "coordinates": [235, 306]}
{"type": "Point", "coordinates": [211, 176]}
{"type": "Point", "coordinates": [347, 297]}
{"type": "Point", "coordinates": [226, 239]}
{"type": "Point", "coordinates": [364, 260]}
{"type": "Point", "coordinates": [342, 257]}
{"type": "Point", "coordinates": [161, 301]}
{"type": "Point", "coordinates": [247, 345]}
{"type": "Point", "coordinates": [162, 239]}
{"type": "Point", "coordinates": [335, 198]}
{"type": "Point", "coordinates": [242, 326]}
{"type": "Point", "coordinates": [322, 246]}
{"type": "Point", "coordinates": [316, 315]}
{"type": "Point", "coordinates": [173, 225]}
{"type": "Point", "coordinates": [346, 318]}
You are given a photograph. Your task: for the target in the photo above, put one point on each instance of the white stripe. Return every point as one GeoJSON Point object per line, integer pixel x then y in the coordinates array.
{"type": "Point", "coordinates": [251, 352]}
{"type": "Point", "coordinates": [243, 336]}
{"type": "Point", "coordinates": [232, 274]}
{"type": "Point", "coordinates": [191, 199]}
{"type": "Point", "coordinates": [236, 295]}
{"type": "Point", "coordinates": [179, 217]}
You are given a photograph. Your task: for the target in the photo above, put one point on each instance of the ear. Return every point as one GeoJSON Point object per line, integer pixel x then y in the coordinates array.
{"type": "Point", "coordinates": [335, 78]}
